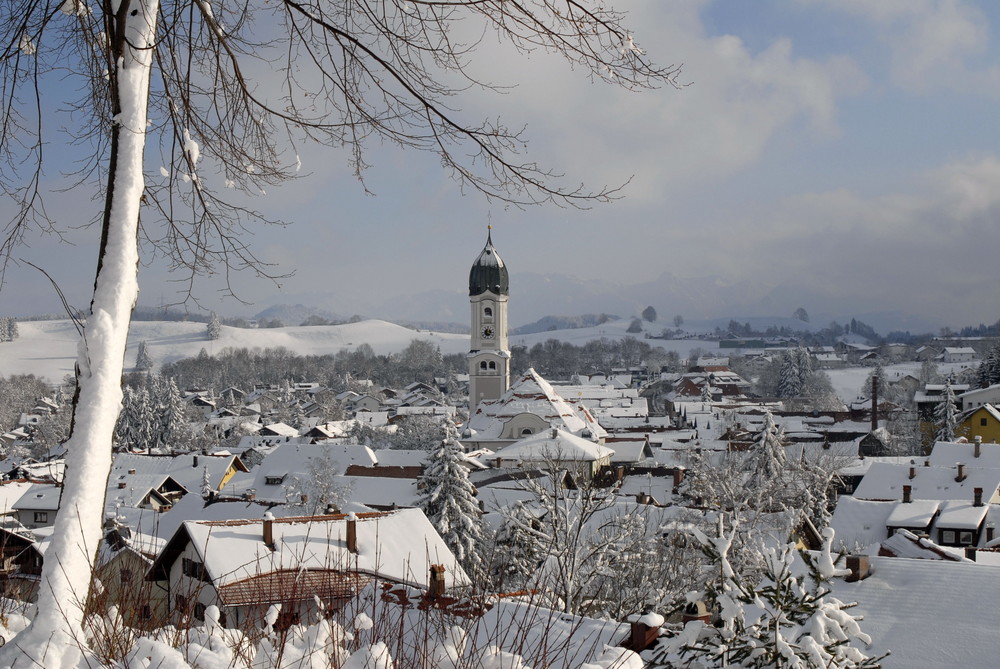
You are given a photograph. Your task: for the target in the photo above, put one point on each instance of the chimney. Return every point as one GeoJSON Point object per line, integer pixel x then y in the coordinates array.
{"type": "Point", "coordinates": [970, 553]}
{"type": "Point", "coordinates": [696, 611]}
{"type": "Point", "coordinates": [678, 477]}
{"type": "Point", "coordinates": [860, 566]}
{"type": "Point", "coordinates": [644, 631]}
{"type": "Point", "coordinates": [977, 497]}
{"type": "Point", "coordinates": [194, 460]}
{"type": "Point", "coordinates": [269, 530]}
{"type": "Point", "coordinates": [121, 485]}
{"type": "Point", "coordinates": [352, 534]}
{"type": "Point", "coordinates": [960, 466]}
{"type": "Point", "coordinates": [304, 499]}
{"type": "Point", "coordinates": [131, 471]}
{"type": "Point", "coordinates": [913, 471]}
{"type": "Point", "coordinates": [907, 494]}
{"type": "Point", "coordinates": [643, 498]}
{"type": "Point", "coordinates": [977, 448]}
{"type": "Point", "coordinates": [436, 588]}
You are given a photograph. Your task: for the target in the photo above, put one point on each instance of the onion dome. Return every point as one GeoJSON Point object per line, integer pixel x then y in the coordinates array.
{"type": "Point", "coordinates": [488, 273]}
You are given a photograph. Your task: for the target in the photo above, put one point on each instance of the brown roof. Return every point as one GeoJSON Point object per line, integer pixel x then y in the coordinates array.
{"type": "Point", "coordinates": [293, 585]}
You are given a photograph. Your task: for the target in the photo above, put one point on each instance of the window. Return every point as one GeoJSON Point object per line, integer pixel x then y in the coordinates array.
{"type": "Point", "coordinates": [947, 536]}
{"type": "Point", "coordinates": [982, 421]}
{"type": "Point", "coordinates": [194, 569]}
{"type": "Point", "coordinates": [274, 479]}
{"type": "Point", "coordinates": [125, 575]}
{"type": "Point", "coordinates": [965, 538]}
{"type": "Point", "coordinates": [493, 365]}
{"type": "Point", "coordinates": [146, 612]}
{"type": "Point", "coordinates": [180, 602]}
{"type": "Point", "coordinates": [41, 516]}
{"type": "Point", "coordinates": [482, 365]}
{"type": "Point", "coordinates": [199, 611]}
{"type": "Point", "coordinates": [488, 312]}
{"type": "Point", "coordinates": [525, 432]}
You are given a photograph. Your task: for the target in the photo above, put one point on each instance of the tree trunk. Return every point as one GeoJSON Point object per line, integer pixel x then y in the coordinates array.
{"type": "Point", "coordinates": [55, 639]}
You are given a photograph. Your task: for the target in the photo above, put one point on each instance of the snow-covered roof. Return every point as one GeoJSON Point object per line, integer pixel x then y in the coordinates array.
{"type": "Point", "coordinates": [961, 515]}
{"type": "Point", "coordinates": [918, 513]}
{"type": "Point", "coordinates": [288, 461]}
{"type": "Point", "coordinates": [554, 445]}
{"type": "Point", "coordinates": [928, 613]}
{"type": "Point", "coordinates": [906, 544]}
{"type": "Point", "coordinates": [188, 470]}
{"type": "Point", "coordinates": [885, 482]}
{"type": "Point", "coordinates": [859, 523]}
{"type": "Point", "coordinates": [40, 496]}
{"type": "Point", "coordinates": [396, 545]}
{"type": "Point", "coordinates": [947, 453]}
{"type": "Point", "coordinates": [534, 395]}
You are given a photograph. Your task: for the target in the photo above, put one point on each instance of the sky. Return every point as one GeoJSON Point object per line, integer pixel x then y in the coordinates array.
{"type": "Point", "coordinates": [840, 155]}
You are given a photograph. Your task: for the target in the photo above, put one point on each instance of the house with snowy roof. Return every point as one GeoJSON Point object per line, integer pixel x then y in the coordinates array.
{"type": "Point", "coordinates": [953, 505]}
{"type": "Point", "coordinates": [38, 506]}
{"type": "Point", "coordinates": [302, 563]}
{"type": "Point", "coordinates": [530, 406]}
{"type": "Point", "coordinates": [958, 354]}
{"type": "Point", "coordinates": [971, 399]}
{"type": "Point", "coordinates": [189, 470]}
{"type": "Point", "coordinates": [980, 423]}
{"type": "Point", "coordinates": [558, 449]}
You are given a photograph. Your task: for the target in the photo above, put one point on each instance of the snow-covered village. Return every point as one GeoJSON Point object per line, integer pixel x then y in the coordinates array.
{"type": "Point", "coordinates": [483, 334]}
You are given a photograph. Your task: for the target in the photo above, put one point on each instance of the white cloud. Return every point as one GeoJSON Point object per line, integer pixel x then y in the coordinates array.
{"type": "Point", "coordinates": [933, 44]}
{"type": "Point", "coordinates": [736, 104]}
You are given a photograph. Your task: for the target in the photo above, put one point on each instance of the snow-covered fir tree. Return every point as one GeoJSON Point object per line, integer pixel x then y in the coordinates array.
{"type": "Point", "coordinates": [789, 376]}
{"type": "Point", "coordinates": [767, 460]}
{"type": "Point", "coordinates": [448, 499]}
{"type": "Point", "coordinates": [988, 372]}
{"type": "Point", "coordinates": [214, 326]}
{"type": "Point", "coordinates": [143, 361]}
{"type": "Point", "coordinates": [784, 618]}
{"type": "Point", "coordinates": [946, 415]}
{"type": "Point", "coordinates": [706, 390]}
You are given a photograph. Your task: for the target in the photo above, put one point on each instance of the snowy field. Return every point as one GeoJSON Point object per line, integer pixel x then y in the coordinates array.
{"type": "Point", "coordinates": [48, 348]}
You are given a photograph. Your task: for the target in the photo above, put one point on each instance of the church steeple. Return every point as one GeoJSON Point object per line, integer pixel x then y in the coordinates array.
{"type": "Point", "coordinates": [489, 354]}
{"type": "Point", "coordinates": [488, 273]}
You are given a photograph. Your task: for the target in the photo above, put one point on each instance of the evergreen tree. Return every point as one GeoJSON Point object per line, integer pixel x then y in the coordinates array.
{"type": "Point", "coordinates": [143, 361]}
{"type": "Point", "coordinates": [12, 329]}
{"type": "Point", "coordinates": [448, 499]}
{"type": "Point", "coordinates": [214, 326]}
{"type": "Point", "coordinates": [649, 313]}
{"type": "Point", "coordinates": [883, 385]}
{"type": "Point", "coordinates": [706, 391]}
{"type": "Point", "coordinates": [946, 414]}
{"type": "Point", "coordinates": [767, 460]}
{"type": "Point", "coordinates": [789, 376]}
{"type": "Point", "coordinates": [781, 619]}
{"type": "Point", "coordinates": [5, 329]}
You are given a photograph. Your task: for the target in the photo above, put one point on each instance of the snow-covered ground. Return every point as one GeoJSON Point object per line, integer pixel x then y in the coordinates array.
{"type": "Point", "coordinates": [48, 348]}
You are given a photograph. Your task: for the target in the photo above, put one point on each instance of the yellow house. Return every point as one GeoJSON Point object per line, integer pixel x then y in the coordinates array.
{"type": "Point", "coordinates": [983, 422]}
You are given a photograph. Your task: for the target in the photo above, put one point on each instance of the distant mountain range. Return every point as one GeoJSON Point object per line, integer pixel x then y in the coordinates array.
{"type": "Point", "coordinates": [536, 297]}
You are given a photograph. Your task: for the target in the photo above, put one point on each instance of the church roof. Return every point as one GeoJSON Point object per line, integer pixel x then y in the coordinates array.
{"type": "Point", "coordinates": [533, 394]}
{"type": "Point", "coordinates": [488, 272]}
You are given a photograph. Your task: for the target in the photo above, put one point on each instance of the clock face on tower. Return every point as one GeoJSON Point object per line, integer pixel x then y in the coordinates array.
{"type": "Point", "coordinates": [488, 332]}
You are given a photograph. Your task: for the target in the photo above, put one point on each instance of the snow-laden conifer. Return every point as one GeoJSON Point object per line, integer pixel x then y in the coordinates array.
{"type": "Point", "coordinates": [448, 499]}
{"type": "Point", "coordinates": [785, 618]}
{"type": "Point", "coordinates": [946, 415]}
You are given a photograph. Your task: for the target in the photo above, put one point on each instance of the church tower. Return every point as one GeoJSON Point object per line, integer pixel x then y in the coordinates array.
{"type": "Point", "coordinates": [489, 352]}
